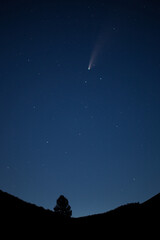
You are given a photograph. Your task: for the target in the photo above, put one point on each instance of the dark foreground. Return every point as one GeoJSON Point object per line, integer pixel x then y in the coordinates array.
{"type": "Point", "coordinates": [24, 220]}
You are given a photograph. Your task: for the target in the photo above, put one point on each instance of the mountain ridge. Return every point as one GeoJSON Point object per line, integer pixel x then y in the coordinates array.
{"type": "Point", "coordinates": [135, 217]}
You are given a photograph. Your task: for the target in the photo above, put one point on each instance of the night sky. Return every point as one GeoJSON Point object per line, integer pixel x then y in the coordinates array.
{"type": "Point", "coordinates": [80, 102]}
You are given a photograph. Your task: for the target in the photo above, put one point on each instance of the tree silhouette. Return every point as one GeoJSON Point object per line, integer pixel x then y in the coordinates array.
{"type": "Point", "coordinates": [63, 208]}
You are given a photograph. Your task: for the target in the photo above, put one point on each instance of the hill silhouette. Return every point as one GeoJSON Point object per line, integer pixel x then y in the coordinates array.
{"type": "Point", "coordinates": [126, 221]}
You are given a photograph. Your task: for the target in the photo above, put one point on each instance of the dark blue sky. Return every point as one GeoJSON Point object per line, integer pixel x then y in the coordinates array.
{"type": "Point", "coordinates": [93, 136]}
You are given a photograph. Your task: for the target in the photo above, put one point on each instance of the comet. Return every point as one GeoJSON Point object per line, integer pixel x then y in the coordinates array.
{"type": "Point", "coordinates": [93, 58]}
{"type": "Point", "coordinates": [97, 51]}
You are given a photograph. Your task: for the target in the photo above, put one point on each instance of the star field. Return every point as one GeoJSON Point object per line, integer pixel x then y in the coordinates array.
{"type": "Point", "coordinates": [89, 134]}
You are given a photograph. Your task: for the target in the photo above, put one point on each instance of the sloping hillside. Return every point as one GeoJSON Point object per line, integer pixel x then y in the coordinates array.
{"type": "Point", "coordinates": [18, 216]}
